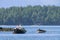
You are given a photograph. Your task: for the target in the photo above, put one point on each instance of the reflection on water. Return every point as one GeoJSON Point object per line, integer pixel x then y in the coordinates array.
{"type": "Point", "coordinates": [52, 33]}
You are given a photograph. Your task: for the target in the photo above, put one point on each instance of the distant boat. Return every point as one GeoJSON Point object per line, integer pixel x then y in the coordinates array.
{"type": "Point", "coordinates": [40, 31]}
{"type": "Point", "coordinates": [1, 28]}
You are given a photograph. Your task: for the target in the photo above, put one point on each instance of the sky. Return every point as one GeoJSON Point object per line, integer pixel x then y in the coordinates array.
{"type": "Point", "coordinates": [9, 3]}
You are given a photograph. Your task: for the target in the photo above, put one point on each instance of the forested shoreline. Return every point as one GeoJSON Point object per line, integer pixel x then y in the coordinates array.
{"type": "Point", "coordinates": [30, 15]}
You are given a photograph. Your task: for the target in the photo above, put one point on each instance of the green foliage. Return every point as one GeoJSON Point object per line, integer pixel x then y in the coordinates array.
{"type": "Point", "coordinates": [30, 15]}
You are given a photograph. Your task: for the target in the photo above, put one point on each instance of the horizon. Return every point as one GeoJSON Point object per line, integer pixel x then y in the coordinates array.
{"type": "Point", "coordinates": [24, 3]}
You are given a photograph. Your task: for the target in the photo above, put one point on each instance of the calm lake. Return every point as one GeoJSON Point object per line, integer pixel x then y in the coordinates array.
{"type": "Point", "coordinates": [52, 33]}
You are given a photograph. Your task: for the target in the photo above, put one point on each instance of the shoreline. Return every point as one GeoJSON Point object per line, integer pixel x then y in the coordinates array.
{"type": "Point", "coordinates": [6, 29]}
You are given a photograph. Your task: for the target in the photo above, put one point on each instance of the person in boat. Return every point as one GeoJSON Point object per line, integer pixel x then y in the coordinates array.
{"type": "Point", "coordinates": [19, 29]}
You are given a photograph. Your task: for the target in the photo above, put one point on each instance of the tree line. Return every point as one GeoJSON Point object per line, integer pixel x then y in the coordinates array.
{"type": "Point", "coordinates": [30, 15]}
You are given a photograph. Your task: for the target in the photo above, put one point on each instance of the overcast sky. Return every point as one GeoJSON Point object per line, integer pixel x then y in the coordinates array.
{"type": "Point", "coordinates": [9, 3]}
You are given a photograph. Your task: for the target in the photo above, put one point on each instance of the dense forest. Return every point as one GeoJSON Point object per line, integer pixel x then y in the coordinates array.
{"type": "Point", "coordinates": [30, 15]}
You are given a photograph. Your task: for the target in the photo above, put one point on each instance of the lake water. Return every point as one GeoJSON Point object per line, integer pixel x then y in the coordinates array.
{"type": "Point", "coordinates": [52, 33]}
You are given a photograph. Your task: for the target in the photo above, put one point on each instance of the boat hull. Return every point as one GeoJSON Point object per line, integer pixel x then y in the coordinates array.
{"type": "Point", "coordinates": [19, 31]}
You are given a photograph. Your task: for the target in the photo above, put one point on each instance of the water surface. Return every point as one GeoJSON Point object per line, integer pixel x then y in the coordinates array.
{"type": "Point", "coordinates": [52, 33]}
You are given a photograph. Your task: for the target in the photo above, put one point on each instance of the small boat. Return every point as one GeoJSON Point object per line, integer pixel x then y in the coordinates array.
{"type": "Point", "coordinates": [19, 30]}
{"type": "Point", "coordinates": [1, 28]}
{"type": "Point", "coordinates": [40, 31]}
